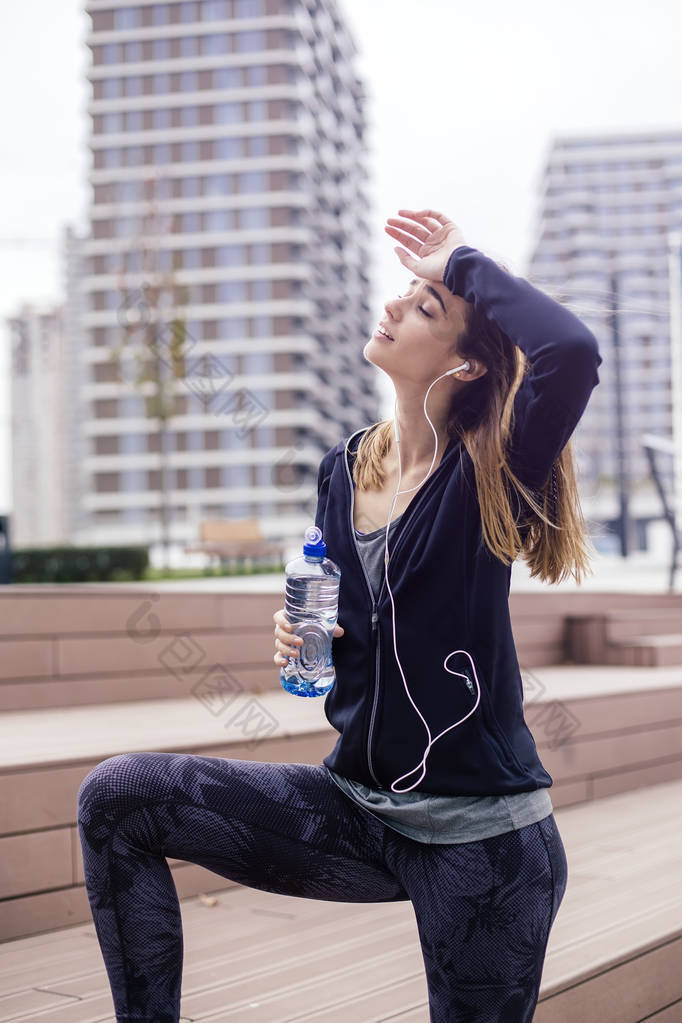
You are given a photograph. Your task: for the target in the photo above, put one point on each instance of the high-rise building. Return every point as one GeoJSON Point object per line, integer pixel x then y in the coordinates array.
{"type": "Point", "coordinates": [607, 207]}
{"type": "Point", "coordinates": [228, 224]}
{"type": "Point", "coordinates": [38, 426]}
{"type": "Point", "coordinates": [75, 370]}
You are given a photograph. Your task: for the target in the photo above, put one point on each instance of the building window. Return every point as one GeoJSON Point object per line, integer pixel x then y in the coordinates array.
{"type": "Point", "coordinates": [161, 84]}
{"type": "Point", "coordinates": [189, 117]}
{"type": "Point", "coordinates": [249, 42]}
{"type": "Point", "coordinates": [260, 253]}
{"type": "Point", "coordinates": [231, 291]}
{"type": "Point", "coordinates": [191, 259]}
{"type": "Point", "coordinates": [161, 49]}
{"type": "Point", "coordinates": [188, 12]}
{"type": "Point", "coordinates": [257, 110]}
{"type": "Point", "coordinates": [219, 220]}
{"type": "Point", "coordinates": [254, 217]}
{"type": "Point", "coordinates": [228, 77]}
{"type": "Point", "coordinates": [162, 153]}
{"type": "Point", "coordinates": [191, 223]}
{"type": "Point", "coordinates": [217, 184]}
{"type": "Point", "coordinates": [227, 149]}
{"type": "Point", "coordinates": [189, 81]}
{"type": "Point", "coordinates": [190, 187]}
{"type": "Point", "coordinates": [162, 118]}
{"type": "Point", "coordinates": [134, 156]}
{"type": "Point", "coordinates": [215, 44]}
{"type": "Point", "coordinates": [249, 9]}
{"type": "Point", "coordinates": [111, 88]}
{"type": "Point", "coordinates": [111, 122]}
{"type": "Point", "coordinates": [215, 10]}
{"type": "Point", "coordinates": [228, 113]}
{"type": "Point", "coordinates": [231, 255]}
{"type": "Point", "coordinates": [256, 75]}
{"type": "Point", "coordinates": [159, 14]}
{"type": "Point", "coordinates": [258, 146]}
{"type": "Point", "coordinates": [189, 150]}
{"type": "Point", "coordinates": [235, 327]}
{"type": "Point", "coordinates": [134, 120]}
{"type": "Point", "coordinates": [189, 46]}
{"type": "Point", "coordinates": [252, 181]}
{"type": "Point", "coordinates": [133, 51]}
{"type": "Point", "coordinates": [133, 85]}
{"type": "Point", "coordinates": [261, 326]}
{"type": "Point", "coordinates": [132, 443]}
{"type": "Point", "coordinates": [111, 53]}
{"type": "Point", "coordinates": [127, 17]}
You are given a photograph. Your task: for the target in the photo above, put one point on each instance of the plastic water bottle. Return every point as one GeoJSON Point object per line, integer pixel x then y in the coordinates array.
{"type": "Point", "coordinates": [311, 605]}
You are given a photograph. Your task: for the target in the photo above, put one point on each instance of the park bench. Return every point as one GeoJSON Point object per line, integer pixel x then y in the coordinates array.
{"type": "Point", "coordinates": [236, 541]}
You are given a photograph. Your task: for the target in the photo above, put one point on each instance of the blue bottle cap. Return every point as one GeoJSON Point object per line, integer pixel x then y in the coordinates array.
{"type": "Point", "coordinates": [314, 545]}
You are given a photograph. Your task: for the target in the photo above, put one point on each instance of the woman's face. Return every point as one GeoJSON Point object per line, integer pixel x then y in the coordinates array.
{"type": "Point", "coordinates": [425, 323]}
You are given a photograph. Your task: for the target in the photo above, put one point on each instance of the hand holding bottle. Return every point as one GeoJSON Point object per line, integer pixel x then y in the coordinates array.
{"type": "Point", "coordinates": [288, 645]}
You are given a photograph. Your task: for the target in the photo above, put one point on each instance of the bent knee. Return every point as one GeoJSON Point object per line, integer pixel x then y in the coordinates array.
{"type": "Point", "coordinates": [114, 783]}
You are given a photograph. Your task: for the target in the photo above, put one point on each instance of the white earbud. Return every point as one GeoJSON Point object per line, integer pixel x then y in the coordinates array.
{"type": "Point", "coordinates": [465, 365]}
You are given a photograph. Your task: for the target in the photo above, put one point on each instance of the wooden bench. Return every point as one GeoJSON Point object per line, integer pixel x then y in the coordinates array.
{"type": "Point", "coordinates": [236, 541]}
{"type": "Point", "coordinates": [598, 731]}
{"type": "Point", "coordinates": [73, 645]}
{"type": "Point", "coordinates": [645, 636]}
{"type": "Point", "coordinates": [613, 953]}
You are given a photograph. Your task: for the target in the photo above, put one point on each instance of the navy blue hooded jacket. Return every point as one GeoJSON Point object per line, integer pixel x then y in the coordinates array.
{"type": "Point", "coordinates": [450, 592]}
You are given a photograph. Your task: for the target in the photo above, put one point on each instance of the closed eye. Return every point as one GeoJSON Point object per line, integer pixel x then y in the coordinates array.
{"type": "Point", "coordinates": [422, 309]}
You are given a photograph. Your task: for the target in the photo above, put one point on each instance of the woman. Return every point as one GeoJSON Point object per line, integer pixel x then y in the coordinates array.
{"type": "Point", "coordinates": [434, 792]}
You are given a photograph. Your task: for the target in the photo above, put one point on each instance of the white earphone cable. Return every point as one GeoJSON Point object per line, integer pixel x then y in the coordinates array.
{"type": "Point", "coordinates": [431, 742]}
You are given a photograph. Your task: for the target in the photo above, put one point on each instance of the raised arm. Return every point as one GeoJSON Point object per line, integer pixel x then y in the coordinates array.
{"type": "Point", "coordinates": [563, 355]}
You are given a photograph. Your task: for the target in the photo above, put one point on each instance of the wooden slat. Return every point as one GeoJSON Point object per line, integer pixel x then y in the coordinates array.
{"type": "Point", "coordinates": [671, 1014]}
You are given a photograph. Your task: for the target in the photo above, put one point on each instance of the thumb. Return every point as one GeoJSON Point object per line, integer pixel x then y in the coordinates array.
{"type": "Point", "coordinates": [338, 630]}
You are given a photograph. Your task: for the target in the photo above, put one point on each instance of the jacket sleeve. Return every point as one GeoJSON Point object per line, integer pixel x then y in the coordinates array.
{"type": "Point", "coordinates": [563, 355]}
{"type": "Point", "coordinates": [323, 476]}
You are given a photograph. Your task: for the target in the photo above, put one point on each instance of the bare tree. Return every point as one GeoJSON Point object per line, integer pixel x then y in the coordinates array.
{"type": "Point", "coordinates": [153, 336]}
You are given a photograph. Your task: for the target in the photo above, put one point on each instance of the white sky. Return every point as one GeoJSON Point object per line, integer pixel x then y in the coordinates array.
{"type": "Point", "coordinates": [464, 100]}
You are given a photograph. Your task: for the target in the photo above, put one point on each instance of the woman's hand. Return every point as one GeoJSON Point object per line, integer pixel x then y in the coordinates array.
{"type": "Point", "coordinates": [432, 238]}
{"type": "Point", "coordinates": [287, 644]}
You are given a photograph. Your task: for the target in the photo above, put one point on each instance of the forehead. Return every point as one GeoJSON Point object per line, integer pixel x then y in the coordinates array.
{"type": "Point", "coordinates": [455, 306]}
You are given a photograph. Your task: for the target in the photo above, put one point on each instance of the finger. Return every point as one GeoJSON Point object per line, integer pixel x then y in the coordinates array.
{"type": "Point", "coordinates": [426, 214]}
{"type": "Point", "coordinates": [411, 243]}
{"type": "Point", "coordinates": [405, 225]}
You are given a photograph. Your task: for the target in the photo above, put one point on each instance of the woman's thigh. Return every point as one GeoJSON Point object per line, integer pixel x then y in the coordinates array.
{"type": "Point", "coordinates": [278, 827]}
{"type": "Point", "coordinates": [484, 911]}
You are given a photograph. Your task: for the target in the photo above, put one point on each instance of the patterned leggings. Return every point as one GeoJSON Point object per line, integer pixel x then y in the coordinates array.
{"type": "Point", "coordinates": [483, 909]}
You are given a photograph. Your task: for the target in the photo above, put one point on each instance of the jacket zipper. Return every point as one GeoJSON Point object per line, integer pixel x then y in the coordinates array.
{"type": "Point", "coordinates": [375, 615]}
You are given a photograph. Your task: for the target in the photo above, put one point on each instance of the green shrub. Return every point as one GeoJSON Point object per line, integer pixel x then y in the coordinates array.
{"type": "Point", "coordinates": [78, 564]}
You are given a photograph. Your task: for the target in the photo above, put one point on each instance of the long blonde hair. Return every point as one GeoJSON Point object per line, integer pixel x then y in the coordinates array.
{"type": "Point", "coordinates": [545, 527]}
